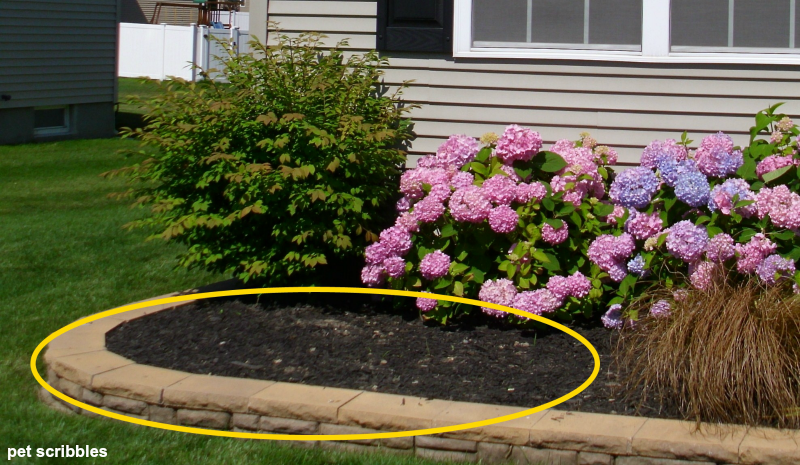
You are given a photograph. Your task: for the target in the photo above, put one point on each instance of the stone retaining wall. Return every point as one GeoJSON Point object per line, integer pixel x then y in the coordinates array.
{"type": "Point", "coordinates": [80, 367]}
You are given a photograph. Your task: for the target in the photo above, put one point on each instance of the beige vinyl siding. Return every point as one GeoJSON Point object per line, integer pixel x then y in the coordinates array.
{"type": "Point", "coordinates": [141, 11]}
{"type": "Point", "coordinates": [57, 52]}
{"type": "Point", "coordinates": [623, 105]}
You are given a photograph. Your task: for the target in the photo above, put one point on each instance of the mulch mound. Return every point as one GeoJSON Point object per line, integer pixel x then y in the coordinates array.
{"type": "Point", "coordinates": [354, 342]}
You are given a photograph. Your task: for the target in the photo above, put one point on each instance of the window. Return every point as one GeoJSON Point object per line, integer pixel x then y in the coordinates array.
{"type": "Point", "coordinates": [51, 120]}
{"type": "Point", "coordinates": [566, 24]}
{"type": "Point", "coordinates": [698, 31]}
{"type": "Point", "coordinates": [744, 26]}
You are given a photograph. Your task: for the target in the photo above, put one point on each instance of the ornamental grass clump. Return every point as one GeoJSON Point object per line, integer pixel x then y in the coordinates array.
{"type": "Point", "coordinates": [503, 221]}
{"type": "Point", "coordinates": [288, 166]}
{"type": "Point", "coordinates": [729, 353]}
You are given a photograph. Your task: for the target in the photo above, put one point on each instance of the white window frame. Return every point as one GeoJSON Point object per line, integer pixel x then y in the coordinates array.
{"type": "Point", "coordinates": [655, 44]}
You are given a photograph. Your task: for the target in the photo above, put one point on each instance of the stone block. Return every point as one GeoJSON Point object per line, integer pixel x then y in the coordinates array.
{"type": "Point", "coordinates": [446, 455]}
{"type": "Point", "coordinates": [635, 460]}
{"type": "Point", "coordinates": [590, 432]}
{"type": "Point", "coordinates": [71, 389]}
{"type": "Point", "coordinates": [164, 415]}
{"type": "Point", "coordinates": [675, 439]}
{"type": "Point", "coordinates": [593, 458]}
{"type": "Point", "coordinates": [302, 402]}
{"type": "Point", "coordinates": [389, 412]}
{"type": "Point", "coordinates": [516, 431]}
{"type": "Point", "coordinates": [245, 421]}
{"type": "Point", "coordinates": [213, 393]}
{"type": "Point", "coordinates": [204, 418]}
{"type": "Point", "coordinates": [138, 382]}
{"type": "Point", "coordinates": [125, 405]}
{"type": "Point", "coordinates": [438, 443]}
{"type": "Point", "coordinates": [287, 425]}
{"type": "Point", "coordinates": [770, 446]}
{"type": "Point", "coordinates": [82, 368]}
{"type": "Point", "coordinates": [92, 398]}
{"type": "Point", "coordinates": [494, 453]}
{"type": "Point", "coordinates": [534, 456]}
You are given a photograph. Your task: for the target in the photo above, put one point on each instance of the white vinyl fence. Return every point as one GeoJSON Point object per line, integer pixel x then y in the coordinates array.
{"type": "Point", "coordinates": [159, 51]}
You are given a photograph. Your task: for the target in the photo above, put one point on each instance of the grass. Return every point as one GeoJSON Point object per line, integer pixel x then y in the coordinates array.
{"type": "Point", "coordinates": [63, 255]}
{"type": "Point", "coordinates": [135, 87]}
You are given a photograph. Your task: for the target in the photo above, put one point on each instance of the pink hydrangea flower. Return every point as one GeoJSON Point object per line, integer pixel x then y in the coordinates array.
{"type": "Point", "coordinates": [411, 184]}
{"type": "Point", "coordinates": [407, 221]}
{"type": "Point", "coordinates": [660, 309]}
{"type": "Point", "coordinates": [458, 150]}
{"type": "Point", "coordinates": [428, 210]}
{"type": "Point", "coordinates": [720, 248]}
{"type": "Point", "coordinates": [440, 192]}
{"type": "Point", "coordinates": [395, 267]}
{"type": "Point", "coordinates": [501, 292]}
{"type": "Point", "coordinates": [435, 176]}
{"type": "Point", "coordinates": [604, 155]}
{"type": "Point", "coordinates": [610, 252]}
{"type": "Point", "coordinates": [537, 302]}
{"type": "Point", "coordinates": [434, 265]}
{"type": "Point", "coordinates": [657, 148]}
{"type": "Point", "coordinates": [500, 189]}
{"type": "Point", "coordinates": [716, 157]}
{"type": "Point", "coordinates": [470, 205]}
{"type": "Point", "coordinates": [686, 241]}
{"type": "Point", "coordinates": [503, 219]}
{"type": "Point", "coordinates": [376, 253]}
{"type": "Point", "coordinates": [373, 275]}
{"type": "Point", "coordinates": [404, 204]}
{"type": "Point", "coordinates": [613, 317]}
{"type": "Point", "coordinates": [753, 253]}
{"type": "Point", "coordinates": [781, 204]}
{"type": "Point", "coordinates": [426, 305]}
{"type": "Point", "coordinates": [722, 195]}
{"type": "Point", "coordinates": [619, 212]}
{"type": "Point", "coordinates": [429, 161]}
{"type": "Point", "coordinates": [518, 143]}
{"type": "Point", "coordinates": [555, 236]}
{"type": "Point", "coordinates": [397, 240]}
{"type": "Point", "coordinates": [512, 174]}
{"type": "Point", "coordinates": [576, 285]}
{"type": "Point", "coordinates": [643, 226]}
{"type": "Point", "coordinates": [527, 192]}
{"type": "Point", "coordinates": [462, 180]}
{"type": "Point", "coordinates": [701, 274]}
{"type": "Point", "coordinates": [774, 162]}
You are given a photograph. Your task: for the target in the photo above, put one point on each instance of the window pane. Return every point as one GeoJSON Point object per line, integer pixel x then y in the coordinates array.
{"type": "Point", "coordinates": [499, 20]}
{"type": "Point", "coordinates": [49, 118]}
{"type": "Point", "coordinates": [557, 21]}
{"type": "Point", "coordinates": [757, 23]}
{"type": "Point", "coordinates": [700, 22]}
{"type": "Point", "coordinates": [615, 22]}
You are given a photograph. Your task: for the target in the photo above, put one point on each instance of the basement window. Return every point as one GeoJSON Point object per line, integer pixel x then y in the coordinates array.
{"type": "Point", "coordinates": [51, 120]}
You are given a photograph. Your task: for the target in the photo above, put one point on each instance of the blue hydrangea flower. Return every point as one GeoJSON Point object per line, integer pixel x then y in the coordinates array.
{"type": "Point", "coordinates": [692, 188]}
{"type": "Point", "coordinates": [637, 266]}
{"type": "Point", "coordinates": [634, 188]}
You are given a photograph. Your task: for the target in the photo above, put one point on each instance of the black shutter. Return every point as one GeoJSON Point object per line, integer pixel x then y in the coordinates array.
{"type": "Point", "coordinates": [415, 25]}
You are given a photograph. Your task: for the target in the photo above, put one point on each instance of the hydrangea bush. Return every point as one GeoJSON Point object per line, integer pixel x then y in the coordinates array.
{"type": "Point", "coordinates": [503, 221]}
{"type": "Point", "coordinates": [718, 212]}
{"type": "Point", "coordinates": [558, 233]}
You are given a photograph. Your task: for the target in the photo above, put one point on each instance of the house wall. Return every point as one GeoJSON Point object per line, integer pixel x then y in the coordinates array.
{"type": "Point", "coordinates": [141, 11]}
{"type": "Point", "coordinates": [58, 53]}
{"type": "Point", "coordinates": [623, 105]}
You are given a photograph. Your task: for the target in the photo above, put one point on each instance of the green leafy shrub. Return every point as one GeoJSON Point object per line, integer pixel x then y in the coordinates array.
{"type": "Point", "coordinates": [288, 165]}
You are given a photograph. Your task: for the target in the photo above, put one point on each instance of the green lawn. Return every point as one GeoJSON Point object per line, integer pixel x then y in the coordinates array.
{"type": "Point", "coordinates": [63, 255]}
{"type": "Point", "coordinates": [129, 88]}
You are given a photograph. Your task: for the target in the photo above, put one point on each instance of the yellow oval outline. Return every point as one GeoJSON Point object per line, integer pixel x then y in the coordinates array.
{"type": "Point", "coordinates": [315, 437]}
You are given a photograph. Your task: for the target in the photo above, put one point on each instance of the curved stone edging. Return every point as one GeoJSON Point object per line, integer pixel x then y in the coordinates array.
{"type": "Point", "coordinates": [80, 366]}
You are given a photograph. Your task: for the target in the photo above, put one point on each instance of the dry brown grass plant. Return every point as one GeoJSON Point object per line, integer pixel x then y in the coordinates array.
{"type": "Point", "coordinates": [730, 354]}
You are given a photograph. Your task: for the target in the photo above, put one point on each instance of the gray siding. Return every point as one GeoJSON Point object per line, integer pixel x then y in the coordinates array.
{"type": "Point", "coordinates": [57, 52]}
{"type": "Point", "coordinates": [623, 105]}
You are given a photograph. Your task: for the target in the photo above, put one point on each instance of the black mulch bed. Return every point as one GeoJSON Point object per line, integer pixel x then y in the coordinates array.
{"type": "Point", "coordinates": [354, 342]}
